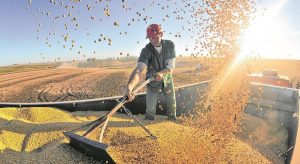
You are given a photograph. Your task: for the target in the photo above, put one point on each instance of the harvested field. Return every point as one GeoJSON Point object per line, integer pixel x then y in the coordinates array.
{"type": "Point", "coordinates": [26, 67]}
{"type": "Point", "coordinates": [30, 136]}
{"type": "Point", "coordinates": [63, 84]}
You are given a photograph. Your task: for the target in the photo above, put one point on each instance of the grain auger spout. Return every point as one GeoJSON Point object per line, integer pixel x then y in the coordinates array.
{"type": "Point", "coordinates": [98, 149]}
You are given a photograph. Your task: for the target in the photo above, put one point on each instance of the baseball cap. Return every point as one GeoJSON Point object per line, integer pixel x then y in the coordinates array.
{"type": "Point", "coordinates": [153, 31]}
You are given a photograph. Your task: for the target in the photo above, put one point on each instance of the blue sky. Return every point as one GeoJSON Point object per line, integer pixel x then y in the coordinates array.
{"type": "Point", "coordinates": [23, 22]}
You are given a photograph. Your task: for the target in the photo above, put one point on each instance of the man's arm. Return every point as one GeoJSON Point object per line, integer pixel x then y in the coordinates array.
{"type": "Point", "coordinates": [134, 79]}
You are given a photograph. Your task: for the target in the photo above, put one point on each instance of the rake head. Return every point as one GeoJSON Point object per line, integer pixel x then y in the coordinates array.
{"type": "Point", "coordinates": [92, 148]}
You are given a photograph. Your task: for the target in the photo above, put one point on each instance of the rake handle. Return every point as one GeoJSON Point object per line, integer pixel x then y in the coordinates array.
{"type": "Point", "coordinates": [104, 118]}
{"type": "Point", "coordinates": [139, 122]}
{"type": "Point", "coordinates": [99, 121]}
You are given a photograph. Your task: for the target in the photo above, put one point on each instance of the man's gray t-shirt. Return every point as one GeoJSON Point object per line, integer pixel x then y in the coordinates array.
{"type": "Point", "coordinates": [156, 62]}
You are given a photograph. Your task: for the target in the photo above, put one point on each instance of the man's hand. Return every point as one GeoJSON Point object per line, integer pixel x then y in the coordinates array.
{"type": "Point", "coordinates": [133, 80]}
{"type": "Point", "coordinates": [159, 76]}
{"type": "Point", "coordinates": [128, 93]}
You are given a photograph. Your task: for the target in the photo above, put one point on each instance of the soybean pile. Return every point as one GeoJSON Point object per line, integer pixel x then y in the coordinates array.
{"type": "Point", "coordinates": [28, 135]}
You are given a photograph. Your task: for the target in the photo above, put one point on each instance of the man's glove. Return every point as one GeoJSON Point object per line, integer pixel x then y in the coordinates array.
{"type": "Point", "coordinates": [128, 93]}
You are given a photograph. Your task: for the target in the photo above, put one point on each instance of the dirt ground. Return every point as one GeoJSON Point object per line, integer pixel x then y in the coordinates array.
{"type": "Point", "coordinates": [72, 83]}
{"type": "Point", "coordinates": [60, 85]}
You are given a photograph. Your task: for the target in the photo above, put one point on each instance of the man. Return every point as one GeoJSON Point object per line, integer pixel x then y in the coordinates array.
{"type": "Point", "coordinates": [158, 56]}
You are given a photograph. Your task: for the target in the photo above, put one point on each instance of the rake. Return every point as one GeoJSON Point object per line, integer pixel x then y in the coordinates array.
{"type": "Point", "coordinates": [98, 149]}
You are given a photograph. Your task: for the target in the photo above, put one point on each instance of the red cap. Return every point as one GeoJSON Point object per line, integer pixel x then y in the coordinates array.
{"type": "Point", "coordinates": [153, 31]}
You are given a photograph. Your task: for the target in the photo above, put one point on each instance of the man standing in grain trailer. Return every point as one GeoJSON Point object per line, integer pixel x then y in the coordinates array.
{"type": "Point", "coordinates": [159, 58]}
